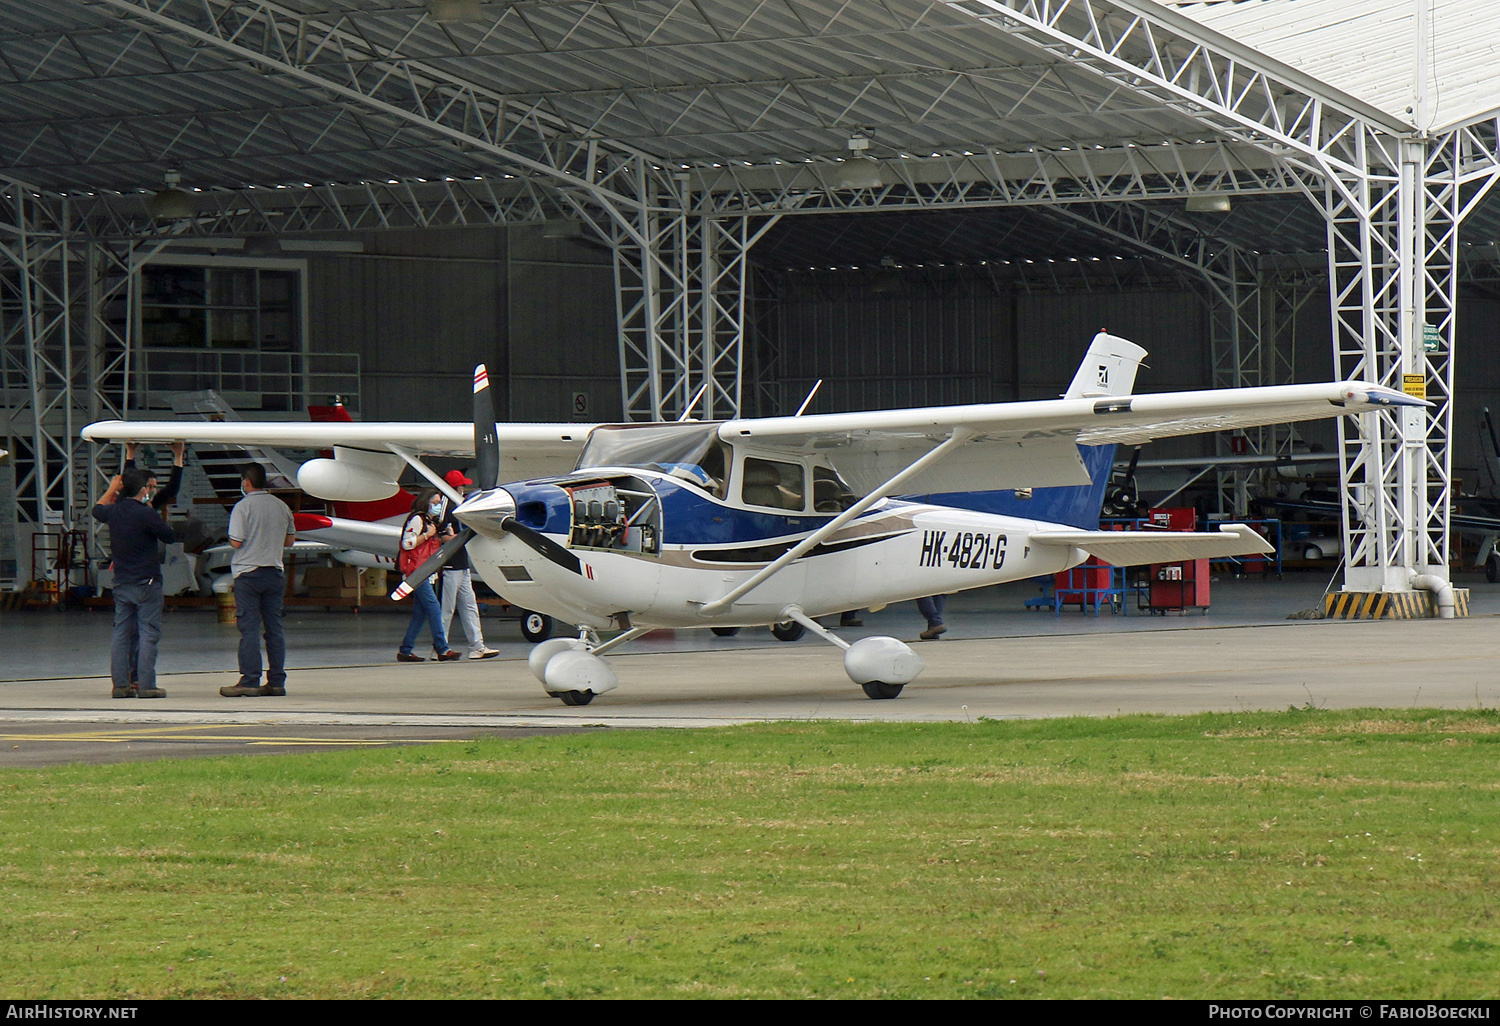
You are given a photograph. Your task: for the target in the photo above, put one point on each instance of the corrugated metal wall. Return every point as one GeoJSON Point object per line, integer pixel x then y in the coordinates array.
{"type": "Point", "coordinates": [423, 307]}
{"type": "Point", "coordinates": [562, 323]}
{"type": "Point", "coordinates": [972, 345]}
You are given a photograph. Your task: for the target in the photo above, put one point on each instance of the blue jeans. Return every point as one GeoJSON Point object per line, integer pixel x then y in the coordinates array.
{"type": "Point", "coordinates": [137, 633]}
{"type": "Point", "coordinates": [932, 608]}
{"type": "Point", "coordinates": [425, 609]}
{"type": "Point", "coordinates": [258, 610]}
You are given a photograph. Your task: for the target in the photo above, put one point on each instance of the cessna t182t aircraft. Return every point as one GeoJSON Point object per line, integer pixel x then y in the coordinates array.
{"type": "Point", "coordinates": [634, 527]}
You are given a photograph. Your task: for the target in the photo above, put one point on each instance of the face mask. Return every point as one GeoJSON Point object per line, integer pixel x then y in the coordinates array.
{"type": "Point", "coordinates": [435, 510]}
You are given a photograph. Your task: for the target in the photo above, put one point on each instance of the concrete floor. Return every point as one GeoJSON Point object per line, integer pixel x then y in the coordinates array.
{"type": "Point", "coordinates": [998, 660]}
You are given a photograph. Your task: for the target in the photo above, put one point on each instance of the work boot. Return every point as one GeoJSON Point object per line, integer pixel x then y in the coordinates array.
{"type": "Point", "coordinates": [272, 691]}
{"type": "Point", "coordinates": [241, 690]}
{"type": "Point", "coordinates": [933, 631]}
{"type": "Point", "coordinates": [150, 693]}
{"type": "Point", "coordinates": [123, 692]}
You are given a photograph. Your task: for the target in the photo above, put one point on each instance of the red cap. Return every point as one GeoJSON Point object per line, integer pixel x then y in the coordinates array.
{"type": "Point", "coordinates": [456, 478]}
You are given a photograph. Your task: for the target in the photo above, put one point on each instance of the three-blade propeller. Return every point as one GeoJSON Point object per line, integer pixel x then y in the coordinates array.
{"type": "Point", "coordinates": [486, 476]}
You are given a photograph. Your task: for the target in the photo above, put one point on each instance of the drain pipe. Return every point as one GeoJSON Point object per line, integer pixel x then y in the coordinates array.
{"type": "Point", "coordinates": [1441, 590]}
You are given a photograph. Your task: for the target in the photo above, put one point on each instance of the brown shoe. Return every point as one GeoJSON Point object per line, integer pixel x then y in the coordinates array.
{"type": "Point", "coordinates": [448, 656]}
{"type": "Point", "coordinates": [409, 657]}
{"type": "Point", "coordinates": [150, 693]}
{"type": "Point", "coordinates": [240, 691]}
{"type": "Point", "coordinates": [932, 633]}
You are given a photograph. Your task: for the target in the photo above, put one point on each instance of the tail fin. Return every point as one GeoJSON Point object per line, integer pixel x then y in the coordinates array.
{"type": "Point", "coordinates": [1108, 368]}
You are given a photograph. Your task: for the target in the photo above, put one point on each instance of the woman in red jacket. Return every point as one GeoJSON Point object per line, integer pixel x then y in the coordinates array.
{"type": "Point", "coordinates": [420, 535]}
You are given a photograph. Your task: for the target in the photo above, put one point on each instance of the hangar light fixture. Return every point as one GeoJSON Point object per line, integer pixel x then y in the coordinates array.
{"type": "Point", "coordinates": [447, 12]}
{"type": "Point", "coordinates": [1208, 204]}
{"type": "Point", "coordinates": [860, 171]}
{"type": "Point", "coordinates": [171, 203]}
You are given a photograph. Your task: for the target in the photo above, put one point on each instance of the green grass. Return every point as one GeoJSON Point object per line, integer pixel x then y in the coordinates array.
{"type": "Point", "coordinates": [1303, 854]}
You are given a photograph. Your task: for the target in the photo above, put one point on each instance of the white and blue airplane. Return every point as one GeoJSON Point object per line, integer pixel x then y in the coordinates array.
{"type": "Point", "coordinates": [728, 524]}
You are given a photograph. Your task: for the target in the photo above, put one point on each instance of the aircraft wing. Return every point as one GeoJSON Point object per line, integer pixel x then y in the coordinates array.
{"type": "Point", "coordinates": [526, 450]}
{"type": "Point", "coordinates": [1135, 548]}
{"type": "Point", "coordinates": [1032, 444]}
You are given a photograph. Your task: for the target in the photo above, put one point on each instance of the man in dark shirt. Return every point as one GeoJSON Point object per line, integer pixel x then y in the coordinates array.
{"type": "Point", "coordinates": [135, 534]}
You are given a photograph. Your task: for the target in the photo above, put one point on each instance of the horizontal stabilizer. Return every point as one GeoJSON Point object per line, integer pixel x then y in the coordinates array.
{"type": "Point", "coordinates": [381, 539]}
{"type": "Point", "coordinates": [1134, 548]}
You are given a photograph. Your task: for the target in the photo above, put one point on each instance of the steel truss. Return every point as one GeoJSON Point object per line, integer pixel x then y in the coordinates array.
{"type": "Point", "coordinates": [65, 321]}
{"type": "Point", "coordinates": [366, 206]}
{"type": "Point", "coordinates": [681, 295]}
{"type": "Point", "coordinates": [1393, 201]}
{"type": "Point", "coordinates": [1393, 266]}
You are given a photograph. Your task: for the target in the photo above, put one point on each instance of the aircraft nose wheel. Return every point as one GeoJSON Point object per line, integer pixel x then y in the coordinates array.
{"type": "Point", "coordinates": [880, 689]}
{"type": "Point", "coordinates": [578, 697]}
{"type": "Point", "coordinates": [535, 627]}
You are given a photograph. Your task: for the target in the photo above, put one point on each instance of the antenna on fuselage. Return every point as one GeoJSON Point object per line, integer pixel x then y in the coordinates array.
{"type": "Point", "coordinates": [687, 413]}
{"type": "Point", "coordinates": [809, 398]}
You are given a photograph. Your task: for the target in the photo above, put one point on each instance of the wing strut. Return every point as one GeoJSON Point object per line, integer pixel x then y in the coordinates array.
{"type": "Point", "coordinates": [960, 436]}
{"type": "Point", "coordinates": [422, 468]}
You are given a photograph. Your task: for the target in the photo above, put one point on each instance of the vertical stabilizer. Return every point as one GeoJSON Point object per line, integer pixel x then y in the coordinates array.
{"type": "Point", "coordinates": [1108, 369]}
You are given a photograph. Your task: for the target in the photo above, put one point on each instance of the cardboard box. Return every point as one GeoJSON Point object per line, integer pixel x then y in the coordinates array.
{"type": "Point", "coordinates": [344, 578]}
{"type": "Point", "coordinates": [342, 594]}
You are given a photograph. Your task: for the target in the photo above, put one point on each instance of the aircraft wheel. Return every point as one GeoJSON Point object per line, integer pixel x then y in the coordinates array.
{"type": "Point", "coordinates": [789, 631]}
{"type": "Point", "coordinates": [729, 632]}
{"type": "Point", "coordinates": [535, 626]}
{"type": "Point", "coordinates": [574, 697]}
{"type": "Point", "coordinates": [880, 689]}
{"type": "Point", "coordinates": [1492, 569]}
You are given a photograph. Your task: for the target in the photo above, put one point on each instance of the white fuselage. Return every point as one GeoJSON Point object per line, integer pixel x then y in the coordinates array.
{"type": "Point", "coordinates": [896, 551]}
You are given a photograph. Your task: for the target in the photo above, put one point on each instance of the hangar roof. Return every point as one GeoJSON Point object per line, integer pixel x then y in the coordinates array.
{"type": "Point", "coordinates": [1430, 65]}
{"type": "Point", "coordinates": [102, 96]}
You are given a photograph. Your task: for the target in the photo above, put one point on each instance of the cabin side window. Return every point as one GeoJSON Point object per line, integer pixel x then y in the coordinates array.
{"type": "Point", "coordinates": [773, 484]}
{"type": "Point", "coordinates": [830, 493]}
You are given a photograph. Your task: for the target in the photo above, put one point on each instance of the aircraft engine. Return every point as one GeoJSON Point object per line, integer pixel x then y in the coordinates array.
{"type": "Point", "coordinates": [882, 660]}
{"type": "Point", "coordinates": [353, 475]}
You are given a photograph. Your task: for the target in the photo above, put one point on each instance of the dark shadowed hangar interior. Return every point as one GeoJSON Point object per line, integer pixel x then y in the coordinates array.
{"type": "Point", "coordinates": [613, 204]}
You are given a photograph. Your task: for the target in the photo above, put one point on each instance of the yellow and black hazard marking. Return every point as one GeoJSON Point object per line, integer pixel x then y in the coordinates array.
{"type": "Point", "coordinates": [1390, 605]}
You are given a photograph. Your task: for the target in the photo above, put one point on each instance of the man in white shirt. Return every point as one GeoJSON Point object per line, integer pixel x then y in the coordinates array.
{"type": "Point", "coordinates": [260, 529]}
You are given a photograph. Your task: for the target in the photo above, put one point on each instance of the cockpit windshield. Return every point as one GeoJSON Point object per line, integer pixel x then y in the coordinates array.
{"type": "Point", "coordinates": [691, 451]}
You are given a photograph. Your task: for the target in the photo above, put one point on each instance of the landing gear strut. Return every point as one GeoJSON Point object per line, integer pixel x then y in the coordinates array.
{"type": "Point", "coordinates": [881, 666]}
{"type": "Point", "coordinates": [572, 670]}
{"type": "Point", "coordinates": [789, 631]}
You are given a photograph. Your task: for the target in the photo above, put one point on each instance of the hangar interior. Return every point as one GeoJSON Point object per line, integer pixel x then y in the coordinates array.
{"type": "Point", "coordinates": [614, 203]}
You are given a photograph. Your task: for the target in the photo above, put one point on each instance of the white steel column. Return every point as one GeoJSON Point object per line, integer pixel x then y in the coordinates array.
{"type": "Point", "coordinates": [680, 300]}
{"type": "Point", "coordinates": [1393, 265]}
